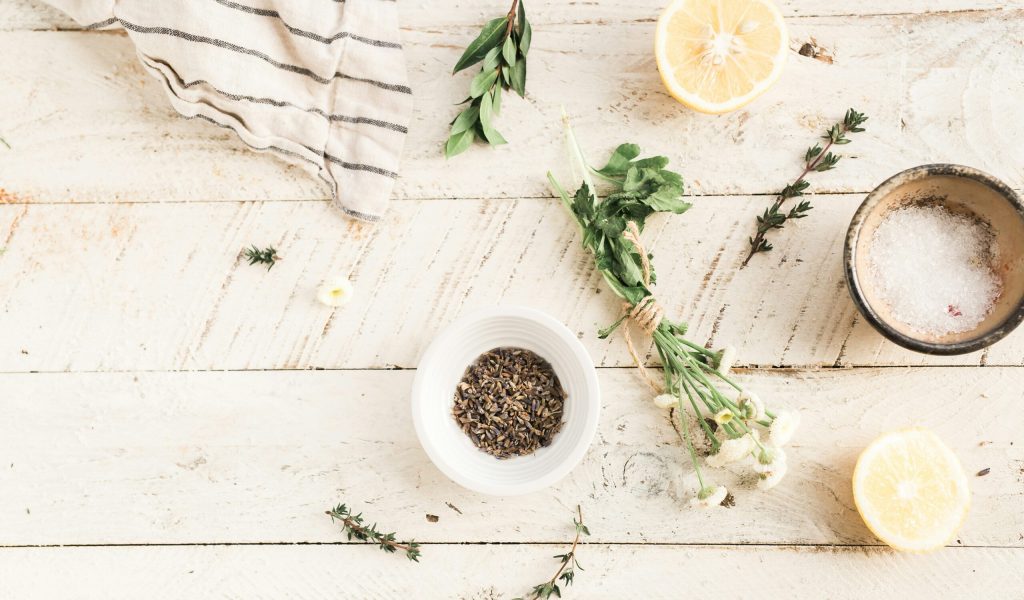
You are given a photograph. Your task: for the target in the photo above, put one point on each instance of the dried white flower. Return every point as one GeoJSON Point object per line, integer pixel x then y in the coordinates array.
{"type": "Point", "coordinates": [726, 359]}
{"type": "Point", "coordinates": [665, 401]}
{"type": "Point", "coordinates": [709, 497]}
{"type": "Point", "coordinates": [723, 416]}
{"type": "Point", "coordinates": [732, 450]}
{"type": "Point", "coordinates": [335, 292]}
{"type": "Point", "coordinates": [783, 427]}
{"type": "Point", "coordinates": [751, 405]}
{"type": "Point", "coordinates": [768, 458]}
{"type": "Point", "coordinates": [771, 478]}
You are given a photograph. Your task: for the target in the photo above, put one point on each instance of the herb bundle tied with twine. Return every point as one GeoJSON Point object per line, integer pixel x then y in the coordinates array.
{"type": "Point", "coordinates": [696, 380]}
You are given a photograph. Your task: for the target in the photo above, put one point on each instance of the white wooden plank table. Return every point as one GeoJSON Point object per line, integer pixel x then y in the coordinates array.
{"type": "Point", "coordinates": [173, 422]}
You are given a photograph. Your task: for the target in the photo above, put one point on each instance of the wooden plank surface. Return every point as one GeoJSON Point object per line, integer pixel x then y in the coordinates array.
{"type": "Point", "coordinates": [153, 392]}
{"type": "Point", "coordinates": [256, 457]}
{"type": "Point", "coordinates": [934, 85]}
{"type": "Point", "coordinates": [503, 572]}
{"type": "Point", "coordinates": [92, 287]}
{"type": "Point", "coordinates": [18, 15]}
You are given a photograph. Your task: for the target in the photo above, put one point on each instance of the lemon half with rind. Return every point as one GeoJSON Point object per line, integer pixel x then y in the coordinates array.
{"type": "Point", "coordinates": [716, 56]}
{"type": "Point", "coordinates": [911, 490]}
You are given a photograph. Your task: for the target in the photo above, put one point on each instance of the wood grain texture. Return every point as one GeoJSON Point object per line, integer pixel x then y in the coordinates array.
{"type": "Point", "coordinates": [227, 457]}
{"type": "Point", "coordinates": [935, 86]}
{"type": "Point", "coordinates": [161, 286]}
{"type": "Point", "coordinates": [21, 15]}
{"type": "Point", "coordinates": [502, 572]}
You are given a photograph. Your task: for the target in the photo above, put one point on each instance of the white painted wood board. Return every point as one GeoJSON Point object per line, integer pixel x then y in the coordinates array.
{"type": "Point", "coordinates": [502, 572]}
{"type": "Point", "coordinates": [94, 287]}
{"type": "Point", "coordinates": [258, 456]}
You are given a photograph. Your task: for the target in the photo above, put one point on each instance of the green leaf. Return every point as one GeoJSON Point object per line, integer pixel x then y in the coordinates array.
{"type": "Point", "coordinates": [508, 51]}
{"type": "Point", "coordinates": [668, 199]}
{"type": "Point", "coordinates": [497, 99]}
{"type": "Point", "coordinates": [490, 36]}
{"type": "Point", "coordinates": [521, 19]}
{"type": "Point", "coordinates": [620, 160]}
{"type": "Point", "coordinates": [493, 59]}
{"type": "Point", "coordinates": [525, 37]}
{"type": "Point", "coordinates": [519, 78]}
{"type": "Point", "coordinates": [466, 119]}
{"type": "Point", "coordinates": [486, 116]}
{"type": "Point", "coordinates": [482, 82]}
{"type": "Point", "coordinates": [458, 143]}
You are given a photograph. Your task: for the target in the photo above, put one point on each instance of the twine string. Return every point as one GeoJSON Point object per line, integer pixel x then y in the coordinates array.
{"type": "Point", "coordinates": [647, 313]}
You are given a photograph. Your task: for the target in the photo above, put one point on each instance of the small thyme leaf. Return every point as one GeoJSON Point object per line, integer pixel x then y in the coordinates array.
{"type": "Point", "coordinates": [4, 142]}
{"type": "Point", "coordinates": [817, 159]}
{"type": "Point", "coordinates": [356, 529]}
{"type": "Point", "coordinates": [501, 47]}
{"type": "Point", "coordinates": [268, 256]}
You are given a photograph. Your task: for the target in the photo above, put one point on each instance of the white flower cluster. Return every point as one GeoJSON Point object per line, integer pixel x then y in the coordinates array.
{"type": "Point", "coordinates": [747, 415]}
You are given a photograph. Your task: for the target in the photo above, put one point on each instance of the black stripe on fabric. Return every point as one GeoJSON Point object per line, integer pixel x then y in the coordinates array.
{"type": "Point", "coordinates": [346, 210]}
{"type": "Point", "coordinates": [334, 159]}
{"type": "Point", "coordinates": [263, 12]}
{"type": "Point", "coordinates": [101, 24]}
{"type": "Point", "coordinates": [200, 39]}
{"type": "Point", "coordinates": [279, 103]}
{"type": "Point", "coordinates": [355, 166]}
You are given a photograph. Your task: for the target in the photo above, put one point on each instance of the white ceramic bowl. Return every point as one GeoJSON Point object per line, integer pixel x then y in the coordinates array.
{"type": "Point", "coordinates": [443, 365]}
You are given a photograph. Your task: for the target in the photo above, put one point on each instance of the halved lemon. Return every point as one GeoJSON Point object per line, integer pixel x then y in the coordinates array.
{"type": "Point", "coordinates": [910, 490]}
{"type": "Point", "coordinates": [717, 55]}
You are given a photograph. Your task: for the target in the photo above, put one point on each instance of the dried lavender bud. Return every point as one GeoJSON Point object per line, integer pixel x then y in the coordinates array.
{"type": "Point", "coordinates": [509, 402]}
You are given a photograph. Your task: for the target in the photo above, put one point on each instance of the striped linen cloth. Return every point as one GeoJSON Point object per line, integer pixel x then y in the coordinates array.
{"type": "Point", "coordinates": [322, 82]}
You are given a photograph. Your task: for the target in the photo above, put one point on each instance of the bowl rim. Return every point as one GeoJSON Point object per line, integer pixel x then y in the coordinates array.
{"type": "Point", "coordinates": [582, 358]}
{"type": "Point", "coordinates": [850, 255]}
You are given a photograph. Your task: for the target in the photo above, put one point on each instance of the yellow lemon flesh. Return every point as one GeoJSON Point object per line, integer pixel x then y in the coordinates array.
{"type": "Point", "coordinates": [910, 490]}
{"type": "Point", "coordinates": [717, 55]}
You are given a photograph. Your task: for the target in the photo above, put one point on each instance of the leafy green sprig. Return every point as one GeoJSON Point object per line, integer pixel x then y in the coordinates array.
{"type": "Point", "coordinates": [268, 256]}
{"type": "Point", "coordinates": [816, 159]}
{"type": "Point", "coordinates": [355, 529]}
{"type": "Point", "coordinates": [502, 46]}
{"type": "Point", "coordinates": [566, 572]}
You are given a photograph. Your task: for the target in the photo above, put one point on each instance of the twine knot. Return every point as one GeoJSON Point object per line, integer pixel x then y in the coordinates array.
{"type": "Point", "coordinates": [648, 312]}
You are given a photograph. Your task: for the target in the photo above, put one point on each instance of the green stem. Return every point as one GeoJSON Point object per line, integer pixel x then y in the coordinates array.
{"type": "Point", "coordinates": [689, 444]}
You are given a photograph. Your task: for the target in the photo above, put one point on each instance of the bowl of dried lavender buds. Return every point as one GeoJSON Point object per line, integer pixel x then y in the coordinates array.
{"type": "Point", "coordinates": [935, 259]}
{"type": "Point", "coordinates": [506, 401]}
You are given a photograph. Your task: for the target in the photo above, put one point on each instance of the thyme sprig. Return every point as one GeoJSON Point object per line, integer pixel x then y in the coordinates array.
{"type": "Point", "coordinates": [566, 572]}
{"type": "Point", "coordinates": [355, 529]}
{"type": "Point", "coordinates": [816, 159]}
{"type": "Point", "coordinates": [268, 256]}
{"type": "Point", "coordinates": [502, 45]}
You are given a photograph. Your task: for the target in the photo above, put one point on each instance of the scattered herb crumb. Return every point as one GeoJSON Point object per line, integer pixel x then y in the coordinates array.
{"type": "Point", "coordinates": [4, 142]}
{"type": "Point", "coordinates": [984, 471]}
{"type": "Point", "coordinates": [268, 256]}
{"type": "Point", "coordinates": [729, 501]}
{"type": "Point", "coordinates": [453, 507]}
{"type": "Point", "coordinates": [357, 530]}
{"type": "Point", "coordinates": [432, 518]}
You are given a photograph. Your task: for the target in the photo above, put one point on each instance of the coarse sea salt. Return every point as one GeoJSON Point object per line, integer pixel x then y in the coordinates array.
{"type": "Point", "coordinates": [934, 268]}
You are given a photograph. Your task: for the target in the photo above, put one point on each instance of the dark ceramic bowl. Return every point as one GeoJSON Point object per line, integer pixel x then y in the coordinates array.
{"type": "Point", "coordinates": [961, 189]}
